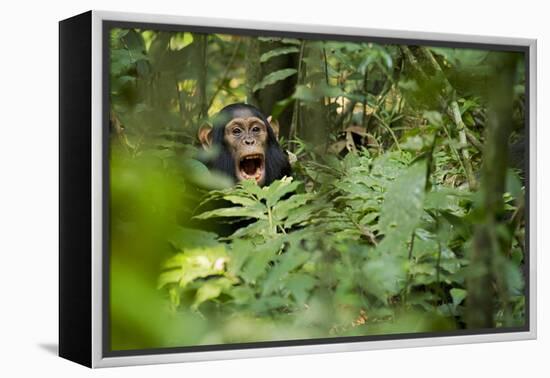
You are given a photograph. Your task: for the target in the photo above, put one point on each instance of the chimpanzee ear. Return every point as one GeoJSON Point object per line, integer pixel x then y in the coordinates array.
{"type": "Point", "coordinates": [274, 126]}
{"type": "Point", "coordinates": [205, 135]}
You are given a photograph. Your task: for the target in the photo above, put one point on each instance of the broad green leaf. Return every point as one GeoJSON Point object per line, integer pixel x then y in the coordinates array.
{"type": "Point", "coordinates": [302, 214]}
{"type": "Point", "coordinates": [257, 211]}
{"type": "Point", "coordinates": [250, 186]}
{"type": "Point", "coordinates": [285, 264]}
{"type": "Point", "coordinates": [211, 289]}
{"type": "Point", "coordinates": [186, 238]}
{"type": "Point", "coordinates": [278, 189]}
{"type": "Point", "coordinates": [200, 175]}
{"type": "Point", "coordinates": [442, 198]}
{"type": "Point", "coordinates": [457, 295]}
{"type": "Point", "coordinates": [305, 93]}
{"type": "Point", "coordinates": [259, 261]}
{"type": "Point", "coordinates": [462, 57]}
{"type": "Point", "coordinates": [240, 200]}
{"type": "Point", "coordinates": [310, 94]}
{"type": "Point", "coordinates": [276, 52]}
{"type": "Point", "coordinates": [513, 276]}
{"type": "Point", "coordinates": [240, 252]}
{"type": "Point", "coordinates": [242, 295]}
{"type": "Point", "coordinates": [385, 276]}
{"type": "Point", "coordinates": [280, 106]}
{"type": "Point", "coordinates": [513, 184]}
{"type": "Point", "coordinates": [274, 77]}
{"type": "Point", "coordinates": [291, 41]}
{"type": "Point", "coordinates": [181, 40]}
{"type": "Point", "coordinates": [169, 277]}
{"type": "Point", "coordinates": [193, 264]}
{"type": "Point", "coordinates": [299, 285]}
{"type": "Point", "coordinates": [403, 206]}
{"type": "Point", "coordinates": [283, 208]}
{"type": "Point", "coordinates": [267, 304]}
{"type": "Point", "coordinates": [255, 231]}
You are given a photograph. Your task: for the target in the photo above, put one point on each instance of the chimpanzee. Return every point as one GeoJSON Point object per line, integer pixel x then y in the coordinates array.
{"type": "Point", "coordinates": [246, 145]}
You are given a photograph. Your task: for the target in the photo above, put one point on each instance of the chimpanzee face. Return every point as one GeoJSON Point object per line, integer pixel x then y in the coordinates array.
{"type": "Point", "coordinates": [246, 138]}
{"type": "Point", "coordinates": [246, 145]}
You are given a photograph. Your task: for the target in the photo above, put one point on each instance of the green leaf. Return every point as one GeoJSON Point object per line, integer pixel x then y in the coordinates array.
{"type": "Point", "coordinates": [181, 40]}
{"type": "Point", "coordinates": [211, 289]}
{"type": "Point", "coordinates": [168, 277]}
{"type": "Point", "coordinates": [283, 208]}
{"type": "Point", "coordinates": [186, 238]}
{"type": "Point", "coordinates": [281, 51]}
{"type": "Point", "coordinates": [385, 276]}
{"type": "Point", "coordinates": [193, 264]}
{"type": "Point", "coordinates": [278, 189]}
{"type": "Point", "coordinates": [274, 77]}
{"type": "Point", "coordinates": [310, 94]}
{"type": "Point", "coordinates": [286, 263]}
{"type": "Point", "coordinates": [302, 214]}
{"type": "Point", "coordinates": [457, 295]}
{"type": "Point", "coordinates": [513, 276]}
{"type": "Point", "coordinates": [240, 200]}
{"type": "Point", "coordinates": [291, 41]}
{"type": "Point", "coordinates": [257, 211]}
{"type": "Point", "coordinates": [513, 184]}
{"type": "Point", "coordinates": [442, 198]}
{"type": "Point", "coordinates": [280, 106]}
{"type": "Point", "coordinates": [196, 172]}
{"type": "Point", "coordinates": [305, 93]}
{"type": "Point", "coordinates": [255, 231]}
{"type": "Point", "coordinates": [251, 187]}
{"type": "Point", "coordinates": [402, 206]}
{"type": "Point", "coordinates": [241, 251]}
{"type": "Point", "coordinates": [242, 295]}
{"type": "Point", "coordinates": [299, 285]}
{"type": "Point", "coordinates": [259, 261]}
{"type": "Point", "coordinates": [462, 57]}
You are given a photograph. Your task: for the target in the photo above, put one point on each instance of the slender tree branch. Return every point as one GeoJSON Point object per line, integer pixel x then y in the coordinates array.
{"type": "Point", "coordinates": [296, 113]}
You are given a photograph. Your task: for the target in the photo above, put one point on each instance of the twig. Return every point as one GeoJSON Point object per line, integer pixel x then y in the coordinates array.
{"type": "Point", "coordinates": [364, 119]}
{"type": "Point", "coordinates": [388, 128]}
{"type": "Point", "coordinates": [461, 127]}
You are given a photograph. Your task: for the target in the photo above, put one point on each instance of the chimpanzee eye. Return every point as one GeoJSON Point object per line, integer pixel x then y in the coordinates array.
{"type": "Point", "coordinates": [236, 131]}
{"type": "Point", "coordinates": [255, 129]}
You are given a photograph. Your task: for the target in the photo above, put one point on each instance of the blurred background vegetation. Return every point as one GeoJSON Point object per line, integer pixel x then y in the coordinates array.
{"type": "Point", "coordinates": [405, 212]}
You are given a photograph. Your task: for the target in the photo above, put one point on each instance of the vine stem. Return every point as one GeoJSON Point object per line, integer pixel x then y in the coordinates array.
{"type": "Point", "coordinates": [270, 220]}
{"type": "Point", "coordinates": [389, 129]}
{"type": "Point", "coordinates": [409, 276]}
{"type": "Point", "coordinates": [295, 114]}
{"type": "Point", "coordinates": [461, 127]}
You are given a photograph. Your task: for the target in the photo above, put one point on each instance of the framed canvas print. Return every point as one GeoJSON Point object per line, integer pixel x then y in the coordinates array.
{"type": "Point", "coordinates": [235, 188]}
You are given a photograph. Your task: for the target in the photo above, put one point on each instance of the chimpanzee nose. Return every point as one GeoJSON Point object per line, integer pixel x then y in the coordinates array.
{"type": "Point", "coordinates": [249, 141]}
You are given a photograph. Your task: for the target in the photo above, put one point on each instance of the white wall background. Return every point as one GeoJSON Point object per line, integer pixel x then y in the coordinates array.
{"type": "Point", "coordinates": [28, 186]}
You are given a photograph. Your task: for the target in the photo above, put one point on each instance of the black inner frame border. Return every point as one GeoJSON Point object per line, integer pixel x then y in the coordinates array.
{"type": "Point", "coordinates": [107, 25]}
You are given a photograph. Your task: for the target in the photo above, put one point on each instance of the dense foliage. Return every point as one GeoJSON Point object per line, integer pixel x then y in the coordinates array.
{"type": "Point", "coordinates": [377, 231]}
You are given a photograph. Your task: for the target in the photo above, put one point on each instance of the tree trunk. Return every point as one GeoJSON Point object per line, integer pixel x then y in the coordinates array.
{"type": "Point", "coordinates": [486, 250]}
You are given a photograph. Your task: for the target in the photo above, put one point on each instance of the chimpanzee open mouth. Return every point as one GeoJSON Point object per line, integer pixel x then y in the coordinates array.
{"type": "Point", "coordinates": [252, 167]}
